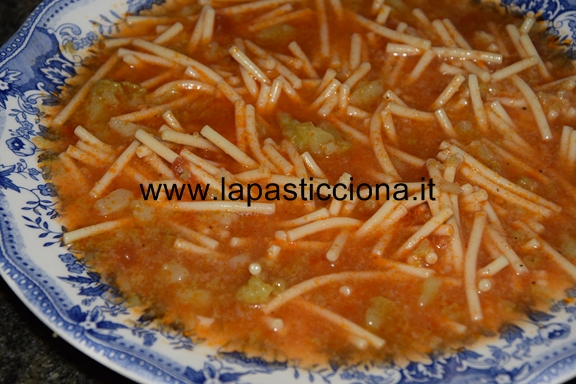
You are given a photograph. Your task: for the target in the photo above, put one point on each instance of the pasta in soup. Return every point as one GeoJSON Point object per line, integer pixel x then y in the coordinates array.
{"type": "Point", "coordinates": [336, 180]}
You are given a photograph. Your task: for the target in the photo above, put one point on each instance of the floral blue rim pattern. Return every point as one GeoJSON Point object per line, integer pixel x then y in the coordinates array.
{"type": "Point", "coordinates": [560, 16]}
{"type": "Point", "coordinates": [90, 315]}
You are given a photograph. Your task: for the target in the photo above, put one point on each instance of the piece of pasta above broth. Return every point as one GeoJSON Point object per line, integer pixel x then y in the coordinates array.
{"type": "Point", "coordinates": [338, 180]}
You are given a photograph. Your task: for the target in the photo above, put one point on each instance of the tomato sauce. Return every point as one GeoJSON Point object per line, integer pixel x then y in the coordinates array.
{"type": "Point", "coordinates": [219, 296]}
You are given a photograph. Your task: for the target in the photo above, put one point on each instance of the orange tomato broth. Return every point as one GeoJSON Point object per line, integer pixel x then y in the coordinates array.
{"type": "Point", "coordinates": [177, 286]}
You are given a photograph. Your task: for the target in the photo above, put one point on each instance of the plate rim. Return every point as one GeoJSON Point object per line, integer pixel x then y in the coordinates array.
{"type": "Point", "coordinates": [28, 28]}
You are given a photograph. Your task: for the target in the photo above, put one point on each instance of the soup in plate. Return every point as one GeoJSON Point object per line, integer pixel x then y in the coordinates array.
{"type": "Point", "coordinates": [343, 180]}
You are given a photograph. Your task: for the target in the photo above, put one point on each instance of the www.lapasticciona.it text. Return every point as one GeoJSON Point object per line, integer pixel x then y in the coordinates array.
{"type": "Point", "coordinates": [306, 190]}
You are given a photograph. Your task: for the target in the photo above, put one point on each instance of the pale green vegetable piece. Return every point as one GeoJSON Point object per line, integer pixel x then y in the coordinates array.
{"type": "Point", "coordinates": [399, 6]}
{"type": "Point", "coordinates": [568, 246]}
{"type": "Point", "coordinates": [380, 311]}
{"type": "Point", "coordinates": [141, 211]}
{"type": "Point", "coordinates": [367, 95]}
{"type": "Point", "coordinates": [485, 155]}
{"type": "Point", "coordinates": [174, 272]}
{"type": "Point", "coordinates": [464, 128]}
{"type": "Point", "coordinates": [423, 249]}
{"type": "Point", "coordinates": [199, 297]}
{"type": "Point", "coordinates": [107, 97]}
{"type": "Point", "coordinates": [321, 140]}
{"type": "Point", "coordinates": [114, 202]}
{"type": "Point", "coordinates": [528, 183]}
{"type": "Point", "coordinates": [281, 34]}
{"type": "Point", "coordinates": [255, 292]}
{"type": "Point", "coordinates": [430, 289]}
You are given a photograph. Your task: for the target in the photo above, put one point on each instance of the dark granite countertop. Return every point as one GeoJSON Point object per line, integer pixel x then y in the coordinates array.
{"type": "Point", "coordinates": [29, 351]}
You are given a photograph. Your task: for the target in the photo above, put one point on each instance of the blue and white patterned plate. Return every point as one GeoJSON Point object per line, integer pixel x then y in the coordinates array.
{"type": "Point", "coordinates": [74, 302]}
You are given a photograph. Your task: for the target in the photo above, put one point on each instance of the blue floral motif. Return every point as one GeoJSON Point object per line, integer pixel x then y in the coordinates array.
{"type": "Point", "coordinates": [68, 258]}
{"type": "Point", "coordinates": [419, 371]}
{"type": "Point", "coordinates": [7, 79]}
{"type": "Point", "coordinates": [108, 25]}
{"type": "Point", "coordinates": [44, 227]}
{"type": "Point", "coordinates": [178, 340]}
{"type": "Point", "coordinates": [38, 205]}
{"type": "Point", "coordinates": [136, 6]}
{"type": "Point", "coordinates": [539, 316]}
{"type": "Point", "coordinates": [33, 172]}
{"type": "Point", "coordinates": [559, 16]}
{"type": "Point", "coordinates": [556, 331]}
{"type": "Point", "coordinates": [355, 374]}
{"type": "Point", "coordinates": [5, 182]}
{"type": "Point", "coordinates": [242, 360]}
{"type": "Point", "coordinates": [547, 8]}
{"type": "Point", "coordinates": [94, 323]}
{"type": "Point", "coordinates": [212, 373]}
{"type": "Point", "coordinates": [73, 264]}
{"type": "Point", "coordinates": [89, 285]}
{"type": "Point", "coordinates": [37, 202]}
{"type": "Point", "coordinates": [149, 339]}
{"type": "Point", "coordinates": [90, 39]}
{"type": "Point", "coordinates": [21, 146]}
{"type": "Point", "coordinates": [510, 332]}
{"type": "Point", "coordinates": [69, 40]}
{"type": "Point", "coordinates": [58, 71]}
{"type": "Point", "coordinates": [26, 129]}
{"type": "Point", "coordinates": [20, 143]}
{"type": "Point", "coordinates": [47, 189]}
